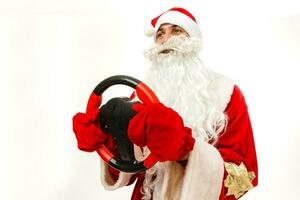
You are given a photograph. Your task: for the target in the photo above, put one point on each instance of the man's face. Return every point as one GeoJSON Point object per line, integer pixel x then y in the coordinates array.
{"type": "Point", "coordinates": [166, 31]}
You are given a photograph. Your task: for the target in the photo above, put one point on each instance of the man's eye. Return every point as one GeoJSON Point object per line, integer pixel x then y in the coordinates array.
{"type": "Point", "coordinates": [177, 31]}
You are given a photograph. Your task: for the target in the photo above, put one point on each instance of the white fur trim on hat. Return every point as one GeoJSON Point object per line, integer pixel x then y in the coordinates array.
{"type": "Point", "coordinates": [180, 19]}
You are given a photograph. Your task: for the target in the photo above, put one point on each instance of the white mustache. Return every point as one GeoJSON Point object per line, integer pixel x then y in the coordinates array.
{"type": "Point", "coordinates": [176, 45]}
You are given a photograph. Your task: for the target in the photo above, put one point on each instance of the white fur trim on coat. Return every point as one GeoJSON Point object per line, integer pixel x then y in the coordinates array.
{"type": "Point", "coordinates": [108, 182]}
{"type": "Point", "coordinates": [223, 87]}
{"type": "Point", "coordinates": [203, 174]}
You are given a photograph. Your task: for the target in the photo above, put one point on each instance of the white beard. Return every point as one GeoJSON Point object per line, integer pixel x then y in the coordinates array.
{"type": "Point", "coordinates": [182, 82]}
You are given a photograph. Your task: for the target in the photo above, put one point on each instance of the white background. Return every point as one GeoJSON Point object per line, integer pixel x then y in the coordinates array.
{"type": "Point", "coordinates": [53, 53]}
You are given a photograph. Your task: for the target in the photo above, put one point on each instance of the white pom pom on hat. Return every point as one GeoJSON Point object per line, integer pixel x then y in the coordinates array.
{"type": "Point", "coordinates": [177, 16]}
{"type": "Point", "coordinates": [149, 30]}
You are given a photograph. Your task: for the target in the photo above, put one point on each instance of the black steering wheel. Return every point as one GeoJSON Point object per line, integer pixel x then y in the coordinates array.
{"type": "Point", "coordinates": [147, 96]}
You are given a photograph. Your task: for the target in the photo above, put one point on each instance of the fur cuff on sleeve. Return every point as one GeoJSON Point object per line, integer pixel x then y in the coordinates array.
{"type": "Point", "coordinates": [108, 182]}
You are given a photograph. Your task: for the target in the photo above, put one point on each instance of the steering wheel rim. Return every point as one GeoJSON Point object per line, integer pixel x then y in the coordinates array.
{"type": "Point", "coordinates": [147, 96]}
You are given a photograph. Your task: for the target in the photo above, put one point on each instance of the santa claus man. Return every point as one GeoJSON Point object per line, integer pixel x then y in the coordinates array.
{"type": "Point", "coordinates": [201, 132]}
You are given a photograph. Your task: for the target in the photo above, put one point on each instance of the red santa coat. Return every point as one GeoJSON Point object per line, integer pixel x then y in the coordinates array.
{"type": "Point", "coordinates": [224, 170]}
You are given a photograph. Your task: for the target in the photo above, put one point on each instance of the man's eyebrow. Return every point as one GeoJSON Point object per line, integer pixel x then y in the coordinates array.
{"type": "Point", "coordinates": [173, 26]}
{"type": "Point", "coordinates": [160, 29]}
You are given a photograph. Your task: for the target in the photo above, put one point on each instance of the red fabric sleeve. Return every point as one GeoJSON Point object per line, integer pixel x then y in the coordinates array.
{"type": "Point", "coordinates": [236, 144]}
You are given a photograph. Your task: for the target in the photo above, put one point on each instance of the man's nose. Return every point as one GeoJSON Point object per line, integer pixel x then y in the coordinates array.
{"type": "Point", "coordinates": [166, 37]}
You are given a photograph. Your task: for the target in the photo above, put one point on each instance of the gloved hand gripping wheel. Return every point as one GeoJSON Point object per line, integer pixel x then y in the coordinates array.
{"type": "Point", "coordinates": [109, 123]}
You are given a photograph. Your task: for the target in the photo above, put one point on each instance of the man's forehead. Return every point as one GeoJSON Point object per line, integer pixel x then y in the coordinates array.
{"type": "Point", "coordinates": [167, 25]}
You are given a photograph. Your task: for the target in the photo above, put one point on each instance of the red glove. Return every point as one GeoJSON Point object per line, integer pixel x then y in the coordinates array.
{"type": "Point", "coordinates": [161, 129]}
{"type": "Point", "coordinates": [89, 136]}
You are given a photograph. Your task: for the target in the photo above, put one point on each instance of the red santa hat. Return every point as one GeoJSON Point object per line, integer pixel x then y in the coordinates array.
{"type": "Point", "coordinates": [177, 16]}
